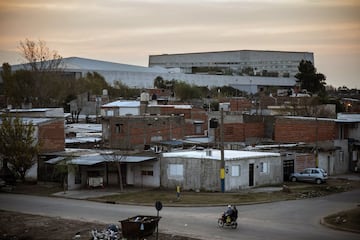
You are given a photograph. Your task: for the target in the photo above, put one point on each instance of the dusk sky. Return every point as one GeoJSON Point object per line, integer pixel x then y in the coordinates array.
{"type": "Point", "coordinates": [128, 31]}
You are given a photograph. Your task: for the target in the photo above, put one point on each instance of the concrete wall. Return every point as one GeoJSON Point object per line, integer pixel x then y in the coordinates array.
{"type": "Point", "coordinates": [204, 174]}
{"type": "Point", "coordinates": [135, 177]}
{"type": "Point", "coordinates": [198, 174]}
{"type": "Point", "coordinates": [272, 175]}
{"type": "Point", "coordinates": [341, 157]}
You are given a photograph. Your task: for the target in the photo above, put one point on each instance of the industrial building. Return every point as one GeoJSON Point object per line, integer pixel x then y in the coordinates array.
{"type": "Point", "coordinates": [247, 70]}
{"type": "Point", "coordinates": [235, 63]}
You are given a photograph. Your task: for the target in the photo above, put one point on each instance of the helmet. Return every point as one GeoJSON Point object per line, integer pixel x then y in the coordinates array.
{"type": "Point", "coordinates": [229, 206]}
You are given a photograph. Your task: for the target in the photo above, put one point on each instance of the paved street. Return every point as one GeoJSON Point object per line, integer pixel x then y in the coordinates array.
{"type": "Point", "coordinates": [279, 220]}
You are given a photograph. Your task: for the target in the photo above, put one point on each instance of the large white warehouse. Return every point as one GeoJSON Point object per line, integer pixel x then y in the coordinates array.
{"type": "Point", "coordinates": [245, 70]}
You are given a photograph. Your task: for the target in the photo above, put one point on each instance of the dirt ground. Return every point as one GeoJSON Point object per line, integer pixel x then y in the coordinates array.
{"type": "Point", "coordinates": [18, 226]}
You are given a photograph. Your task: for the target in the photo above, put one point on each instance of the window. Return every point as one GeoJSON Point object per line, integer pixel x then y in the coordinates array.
{"type": "Point", "coordinates": [354, 155]}
{"type": "Point", "coordinates": [198, 129]}
{"type": "Point", "coordinates": [117, 128]}
{"type": "Point", "coordinates": [109, 113]}
{"type": "Point", "coordinates": [235, 171]}
{"type": "Point", "coordinates": [176, 170]}
{"type": "Point", "coordinates": [147, 173]}
{"type": "Point", "coordinates": [341, 156]}
{"type": "Point", "coordinates": [263, 167]}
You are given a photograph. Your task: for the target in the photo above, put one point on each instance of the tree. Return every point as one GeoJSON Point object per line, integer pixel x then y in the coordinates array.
{"type": "Point", "coordinates": [18, 146]}
{"type": "Point", "coordinates": [185, 91]}
{"type": "Point", "coordinates": [309, 79]}
{"type": "Point", "coordinates": [115, 158]}
{"type": "Point", "coordinates": [40, 80]}
{"type": "Point", "coordinates": [39, 57]}
{"type": "Point", "coordinates": [123, 90]}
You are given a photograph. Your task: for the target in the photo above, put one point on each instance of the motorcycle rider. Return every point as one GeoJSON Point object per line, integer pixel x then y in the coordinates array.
{"type": "Point", "coordinates": [228, 214]}
{"type": "Point", "coordinates": [235, 213]}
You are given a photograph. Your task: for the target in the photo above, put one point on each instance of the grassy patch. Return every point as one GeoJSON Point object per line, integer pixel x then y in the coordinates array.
{"type": "Point", "coordinates": [297, 191]}
{"type": "Point", "coordinates": [33, 188]}
{"type": "Point", "coordinates": [194, 198]}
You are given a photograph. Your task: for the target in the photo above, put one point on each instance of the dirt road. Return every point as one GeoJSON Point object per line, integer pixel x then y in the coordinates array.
{"type": "Point", "coordinates": [18, 226]}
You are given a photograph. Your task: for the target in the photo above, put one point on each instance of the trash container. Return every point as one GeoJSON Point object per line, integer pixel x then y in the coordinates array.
{"type": "Point", "coordinates": [139, 226]}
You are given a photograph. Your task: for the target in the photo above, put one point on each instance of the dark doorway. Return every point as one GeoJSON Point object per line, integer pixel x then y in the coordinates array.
{"type": "Point", "coordinates": [251, 174]}
{"type": "Point", "coordinates": [288, 169]}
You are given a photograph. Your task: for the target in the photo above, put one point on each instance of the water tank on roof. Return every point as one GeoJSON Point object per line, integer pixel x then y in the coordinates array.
{"type": "Point", "coordinates": [144, 97]}
{"type": "Point", "coordinates": [104, 92]}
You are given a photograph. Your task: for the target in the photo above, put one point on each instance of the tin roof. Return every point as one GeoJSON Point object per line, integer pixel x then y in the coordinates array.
{"type": "Point", "coordinates": [93, 159]}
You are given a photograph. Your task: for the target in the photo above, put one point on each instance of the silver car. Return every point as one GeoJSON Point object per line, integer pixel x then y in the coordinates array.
{"type": "Point", "coordinates": [317, 175]}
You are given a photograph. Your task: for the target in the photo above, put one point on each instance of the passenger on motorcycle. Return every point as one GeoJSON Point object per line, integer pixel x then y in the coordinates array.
{"type": "Point", "coordinates": [230, 214]}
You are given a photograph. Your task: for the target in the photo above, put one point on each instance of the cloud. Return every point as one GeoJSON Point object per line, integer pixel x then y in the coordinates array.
{"type": "Point", "coordinates": [133, 29]}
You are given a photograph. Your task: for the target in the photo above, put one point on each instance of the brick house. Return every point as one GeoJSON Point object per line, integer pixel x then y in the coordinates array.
{"type": "Point", "coordinates": [238, 128]}
{"type": "Point", "coordinates": [326, 142]}
{"type": "Point", "coordinates": [49, 132]}
{"type": "Point", "coordinates": [137, 124]}
{"type": "Point", "coordinates": [138, 132]}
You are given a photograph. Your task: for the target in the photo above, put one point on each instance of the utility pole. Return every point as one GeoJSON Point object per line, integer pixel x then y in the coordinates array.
{"type": "Point", "coordinates": [222, 165]}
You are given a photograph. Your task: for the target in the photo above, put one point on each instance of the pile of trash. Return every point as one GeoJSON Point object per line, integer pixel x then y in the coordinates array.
{"type": "Point", "coordinates": [112, 232]}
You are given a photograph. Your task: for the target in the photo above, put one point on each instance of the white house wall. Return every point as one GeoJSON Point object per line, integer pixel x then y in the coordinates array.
{"type": "Point", "coordinates": [204, 174]}
{"type": "Point", "coordinates": [129, 111]}
{"type": "Point", "coordinates": [341, 157]}
{"type": "Point", "coordinates": [272, 175]}
{"type": "Point", "coordinates": [198, 174]}
{"type": "Point", "coordinates": [134, 174]}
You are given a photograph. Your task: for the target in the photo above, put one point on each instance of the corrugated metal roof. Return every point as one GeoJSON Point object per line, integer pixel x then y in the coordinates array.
{"type": "Point", "coordinates": [55, 160]}
{"type": "Point", "coordinates": [122, 104]}
{"type": "Point", "coordinates": [86, 64]}
{"type": "Point", "coordinates": [215, 154]}
{"type": "Point", "coordinates": [34, 121]}
{"type": "Point", "coordinates": [93, 159]}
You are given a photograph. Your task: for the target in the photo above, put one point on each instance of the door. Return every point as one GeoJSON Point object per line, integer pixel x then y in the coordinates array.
{"type": "Point", "coordinates": [251, 174]}
{"type": "Point", "coordinates": [288, 169]}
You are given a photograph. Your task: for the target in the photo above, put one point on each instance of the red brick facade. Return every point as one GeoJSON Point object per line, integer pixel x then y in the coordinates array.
{"type": "Point", "coordinates": [134, 132]}
{"type": "Point", "coordinates": [240, 104]}
{"type": "Point", "coordinates": [51, 136]}
{"type": "Point", "coordinates": [304, 130]}
{"type": "Point", "coordinates": [239, 132]}
{"type": "Point", "coordinates": [303, 161]}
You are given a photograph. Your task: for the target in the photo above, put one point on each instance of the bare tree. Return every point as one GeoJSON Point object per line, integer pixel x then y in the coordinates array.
{"type": "Point", "coordinates": [39, 57]}
{"type": "Point", "coordinates": [115, 158]}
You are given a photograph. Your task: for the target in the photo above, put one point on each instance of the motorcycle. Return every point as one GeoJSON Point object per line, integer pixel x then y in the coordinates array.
{"type": "Point", "coordinates": [227, 221]}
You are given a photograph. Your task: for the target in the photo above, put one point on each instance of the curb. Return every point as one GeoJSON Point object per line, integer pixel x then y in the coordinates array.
{"type": "Point", "coordinates": [336, 227]}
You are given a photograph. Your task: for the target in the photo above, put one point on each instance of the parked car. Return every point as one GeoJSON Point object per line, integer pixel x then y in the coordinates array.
{"type": "Point", "coordinates": [317, 175]}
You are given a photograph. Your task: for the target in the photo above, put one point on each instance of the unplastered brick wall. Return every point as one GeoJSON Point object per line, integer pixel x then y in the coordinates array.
{"type": "Point", "coordinates": [52, 136]}
{"type": "Point", "coordinates": [303, 161]}
{"type": "Point", "coordinates": [239, 132]}
{"type": "Point", "coordinates": [240, 104]}
{"type": "Point", "coordinates": [304, 130]}
{"type": "Point", "coordinates": [134, 131]}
